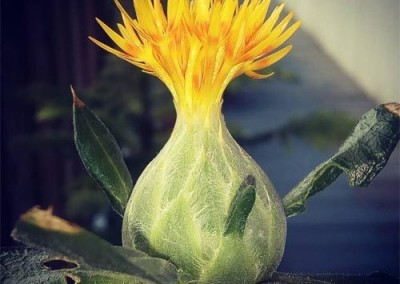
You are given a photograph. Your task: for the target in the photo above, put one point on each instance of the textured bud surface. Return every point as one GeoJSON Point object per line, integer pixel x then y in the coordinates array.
{"type": "Point", "coordinates": [180, 204]}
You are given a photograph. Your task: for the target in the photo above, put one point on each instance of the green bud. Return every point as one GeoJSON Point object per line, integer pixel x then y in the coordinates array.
{"type": "Point", "coordinates": [206, 206]}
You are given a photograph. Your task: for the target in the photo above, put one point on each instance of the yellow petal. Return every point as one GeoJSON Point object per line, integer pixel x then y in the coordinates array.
{"type": "Point", "coordinates": [201, 10]}
{"type": "Point", "coordinates": [198, 46]}
{"type": "Point", "coordinates": [238, 31]}
{"type": "Point", "coordinates": [269, 24]}
{"type": "Point", "coordinates": [214, 26]}
{"type": "Point", "coordinates": [257, 18]}
{"type": "Point", "coordinates": [120, 41]}
{"type": "Point", "coordinates": [228, 9]}
{"type": "Point", "coordinates": [190, 69]}
{"type": "Point", "coordinates": [174, 13]}
{"type": "Point", "coordinates": [270, 42]}
{"type": "Point", "coordinates": [124, 32]}
{"type": "Point", "coordinates": [144, 14]}
{"type": "Point", "coordinates": [128, 23]}
{"type": "Point", "coordinates": [112, 50]}
{"type": "Point", "coordinates": [287, 34]}
{"type": "Point", "coordinates": [283, 24]}
{"type": "Point", "coordinates": [160, 15]}
{"type": "Point", "coordinates": [270, 59]}
{"type": "Point", "coordinates": [256, 75]}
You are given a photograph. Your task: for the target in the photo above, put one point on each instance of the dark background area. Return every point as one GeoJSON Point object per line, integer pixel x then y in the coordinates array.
{"type": "Point", "coordinates": [44, 49]}
{"type": "Point", "coordinates": [43, 44]}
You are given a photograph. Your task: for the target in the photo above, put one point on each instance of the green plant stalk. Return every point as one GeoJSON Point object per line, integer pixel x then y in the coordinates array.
{"type": "Point", "coordinates": [181, 205]}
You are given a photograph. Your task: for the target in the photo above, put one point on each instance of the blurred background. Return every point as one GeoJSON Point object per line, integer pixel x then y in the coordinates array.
{"type": "Point", "coordinates": [345, 61]}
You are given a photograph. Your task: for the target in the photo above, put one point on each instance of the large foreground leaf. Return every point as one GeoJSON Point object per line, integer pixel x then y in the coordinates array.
{"type": "Point", "coordinates": [101, 155]}
{"type": "Point", "coordinates": [94, 257]}
{"type": "Point", "coordinates": [29, 265]}
{"type": "Point", "coordinates": [24, 265]}
{"type": "Point", "coordinates": [361, 157]}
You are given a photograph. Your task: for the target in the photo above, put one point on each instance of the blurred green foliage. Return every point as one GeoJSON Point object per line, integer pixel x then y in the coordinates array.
{"type": "Point", "coordinates": [137, 109]}
{"type": "Point", "coordinates": [321, 129]}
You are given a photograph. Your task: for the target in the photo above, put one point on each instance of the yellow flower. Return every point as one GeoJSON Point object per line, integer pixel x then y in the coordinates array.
{"type": "Point", "coordinates": [199, 46]}
{"type": "Point", "coordinates": [186, 200]}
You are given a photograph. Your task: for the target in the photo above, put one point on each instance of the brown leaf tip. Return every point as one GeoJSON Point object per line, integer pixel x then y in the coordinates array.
{"type": "Point", "coordinates": [76, 101]}
{"type": "Point", "coordinates": [393, 108]}
{"type": "Point", "coordinates": [46, 220]}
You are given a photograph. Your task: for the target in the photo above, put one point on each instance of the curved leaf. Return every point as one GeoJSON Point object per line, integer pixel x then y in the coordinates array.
{"type": "Point", "coordinates": [362, 156]}
{"type": "Point", "coordinates": [101, 155]}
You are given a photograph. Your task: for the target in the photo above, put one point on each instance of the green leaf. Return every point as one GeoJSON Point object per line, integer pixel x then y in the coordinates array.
{"type": "Point", "coordinates": [101, 155]}
{"type": "Point", "coordinates": [31, 265]}
{"type": "Point", "coordinates": [241, 206]}
{"type": "Point", "coordinates": [39, 228]}
{"type": "Point", "coordinates": [361, 157]}
{"type": "Point", "coordinates": [104, 277]}
{"type": "Point", "coordinates": [26, 265]}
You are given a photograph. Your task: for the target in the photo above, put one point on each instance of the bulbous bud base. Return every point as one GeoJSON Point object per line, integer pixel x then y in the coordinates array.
{"type": "Point", "coordinates": [179, 207]}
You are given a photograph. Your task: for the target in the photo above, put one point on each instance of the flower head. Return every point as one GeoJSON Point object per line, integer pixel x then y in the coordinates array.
{"type": "Point", "coordinates": [197, 47]}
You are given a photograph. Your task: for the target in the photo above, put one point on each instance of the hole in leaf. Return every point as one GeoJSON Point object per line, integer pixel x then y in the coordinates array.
{"type": "Point", "coordinates": [71, 280]}
{"type": "Point", "coordinates": [58, 264]}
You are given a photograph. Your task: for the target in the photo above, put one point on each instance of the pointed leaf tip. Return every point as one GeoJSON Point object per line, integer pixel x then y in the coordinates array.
{"type": "Point", "coordinates": [361, 157]}
{"type": "Point", "coordinates": [101, 155]}
{"type": "Point", "coordinates": [76, 101]}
